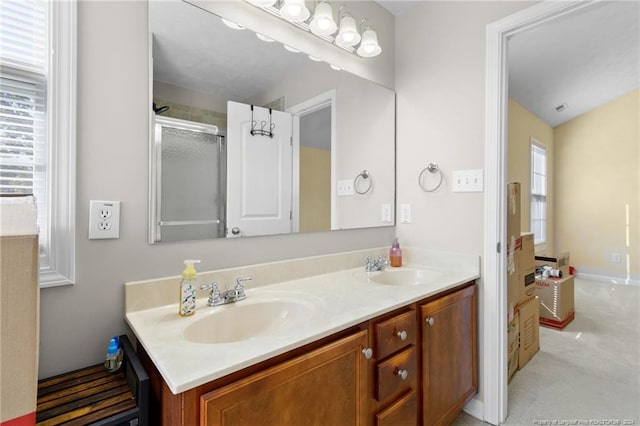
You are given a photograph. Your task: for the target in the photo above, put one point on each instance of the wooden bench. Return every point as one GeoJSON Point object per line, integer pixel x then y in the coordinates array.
{"type": "Point", "coordinates": [93, 396]}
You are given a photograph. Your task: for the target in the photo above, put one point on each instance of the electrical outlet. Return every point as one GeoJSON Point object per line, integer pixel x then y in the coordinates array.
{"type": "Point", "coordinates": [104, 220]}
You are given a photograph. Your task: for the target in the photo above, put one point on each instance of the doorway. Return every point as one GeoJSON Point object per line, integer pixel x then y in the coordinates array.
{"type": "Point", "coordinates": [494, 263]}
{"type": "Point", "coordinates": [314, 168]}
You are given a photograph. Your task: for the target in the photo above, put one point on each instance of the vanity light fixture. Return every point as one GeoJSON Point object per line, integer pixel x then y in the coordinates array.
{"type": "Point", "coordinates": [313, 58]}
{"type": "Point", "coordinates": [335, 67]}
{"type": "Point", "coordinates": [324, 26]}
{"type": "Point", "coordinates": [294, 11]}
{"type": "Point", "coordinates": [322, 23]}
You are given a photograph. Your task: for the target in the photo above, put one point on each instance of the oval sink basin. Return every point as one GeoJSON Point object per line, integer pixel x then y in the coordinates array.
{"type": "Point", "coordinates": [404, 276]}
{"type": "Point", "coordinates": [249, 319]}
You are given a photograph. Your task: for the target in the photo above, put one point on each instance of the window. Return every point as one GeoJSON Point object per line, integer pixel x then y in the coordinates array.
{"type": "Point", "coordinates": [539, 192]}
{"type": "Point", "coordinates": [37, 122]}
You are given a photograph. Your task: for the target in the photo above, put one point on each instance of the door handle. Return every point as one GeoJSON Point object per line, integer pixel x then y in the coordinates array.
{"type": "Point", "coordinates": [235, 230]}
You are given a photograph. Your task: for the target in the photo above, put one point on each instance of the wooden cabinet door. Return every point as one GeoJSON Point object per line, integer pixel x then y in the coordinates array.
{"type": "Point", "coordinates": [449, 355]}
{"type": "Point", "coordinates": [327, 386]}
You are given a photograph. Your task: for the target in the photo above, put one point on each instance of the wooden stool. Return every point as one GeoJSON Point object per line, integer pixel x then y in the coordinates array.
{"type": "Point", "coordinates": [93, 396]}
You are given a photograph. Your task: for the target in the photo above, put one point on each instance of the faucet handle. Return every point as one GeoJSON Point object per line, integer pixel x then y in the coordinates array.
{"type": "Point", "coordinates": [214, 296]}
{"type": "Point", "coordinates": [239, 290]}
{"type": "Point", "coordinates": [239, 281]}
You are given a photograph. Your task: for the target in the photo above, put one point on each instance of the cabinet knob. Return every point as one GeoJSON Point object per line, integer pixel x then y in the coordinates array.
{"type": "Point", "coordinates": [429, 321]}
{"type": "Point", "coordinates": [402, 335]}
{"type": "Point", "coordinates": [403, 374]}
{"type": "Point", "coordinates": [367, 352]}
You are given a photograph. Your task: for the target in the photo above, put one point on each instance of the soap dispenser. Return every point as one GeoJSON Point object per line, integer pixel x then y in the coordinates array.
{"type": "Point", "coordinates": [395, 254]}
{"type": "Point", "coordinates": [187, 302]}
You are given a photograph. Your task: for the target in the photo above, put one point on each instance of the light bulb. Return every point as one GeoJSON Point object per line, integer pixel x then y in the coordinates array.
{"type": "Point", "coordinates": [348, 34]}
{"type": "Point", "coordinates": [322, 23]}
{"type": "Point", "coordinates": [294, 11]}
{"type": "Point", "coordinates": [369, 46]}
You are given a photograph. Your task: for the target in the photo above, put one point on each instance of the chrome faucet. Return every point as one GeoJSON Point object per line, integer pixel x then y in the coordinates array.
{"type": "Point", "coordinates": [235, 294]}
{"type": "Point", "coordinates": [377, 265]}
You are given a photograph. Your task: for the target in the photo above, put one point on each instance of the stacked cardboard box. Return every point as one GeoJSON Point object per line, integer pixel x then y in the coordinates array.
{"type": "Point", "coordinates": [521, 290]}
{"type": "Point", "coordinates": [556, 301]}
{"type": "Point", "coordinates": [529, 313]}
{"type": "Point", "coordinates": [513, 232]}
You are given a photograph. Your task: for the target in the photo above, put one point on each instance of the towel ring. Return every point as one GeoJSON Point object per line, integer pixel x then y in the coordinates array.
{"type": "Point", "coordinates": [431, 168]}
{"type": "Point", "coordinates": [365, 176]}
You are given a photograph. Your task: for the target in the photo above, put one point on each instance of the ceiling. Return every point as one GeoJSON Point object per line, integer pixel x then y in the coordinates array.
{"type": "Point", "coordinates": [584, 59]}
{"type": "Point", "coordinates": [192, 50]}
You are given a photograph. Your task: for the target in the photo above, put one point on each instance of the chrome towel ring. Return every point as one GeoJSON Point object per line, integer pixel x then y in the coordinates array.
{"type": "Point", "coordinates": [363, 176]}
{"type": "Point", "coordinates": [431, 168]}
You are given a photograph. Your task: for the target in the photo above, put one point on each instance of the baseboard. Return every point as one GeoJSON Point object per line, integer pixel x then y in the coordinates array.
{"type": "Point", "coordinates": [607, 279]}
{"type": "Point", "coordinates": [475, 408]}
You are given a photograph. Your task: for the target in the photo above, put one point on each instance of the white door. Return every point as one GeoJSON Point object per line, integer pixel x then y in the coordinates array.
{"type": "Point", "coordinates": [259, 170]}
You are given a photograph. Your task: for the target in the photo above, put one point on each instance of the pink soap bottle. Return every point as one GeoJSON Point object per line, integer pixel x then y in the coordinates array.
{"type": "Point", "coordinates": [395, 254]}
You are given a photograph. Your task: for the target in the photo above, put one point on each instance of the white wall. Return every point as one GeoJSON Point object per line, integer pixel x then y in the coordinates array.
{"type": "Point", "coordinates": [440, 85]}
{"type": "Point", "coordinates": [112, 154]}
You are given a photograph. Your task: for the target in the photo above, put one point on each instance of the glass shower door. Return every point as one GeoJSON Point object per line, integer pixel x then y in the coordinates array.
{"type": "Point", "coordinates": [190, 181]}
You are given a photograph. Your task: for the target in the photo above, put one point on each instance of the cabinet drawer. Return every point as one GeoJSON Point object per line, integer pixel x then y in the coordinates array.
{"type": "Point", "coordinates": [401, 413]}
{"type": "Point", "coordinates": [396, 373]}
{"type": "Point", "coordinates": [389, 334]}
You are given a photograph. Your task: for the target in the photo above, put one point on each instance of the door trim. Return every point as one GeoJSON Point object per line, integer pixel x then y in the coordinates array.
{"type": "Point", "coordinates": [320, 101]}
{"type": "Point", "coordinates": [494, 383]}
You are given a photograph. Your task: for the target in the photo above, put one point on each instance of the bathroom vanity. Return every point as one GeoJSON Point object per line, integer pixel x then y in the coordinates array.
{"type": "Point", "coordinates": [394, 347]}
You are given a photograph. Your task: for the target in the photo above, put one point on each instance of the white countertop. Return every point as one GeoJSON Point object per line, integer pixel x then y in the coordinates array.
{"type": "Point", "coordinates": [337, 300]}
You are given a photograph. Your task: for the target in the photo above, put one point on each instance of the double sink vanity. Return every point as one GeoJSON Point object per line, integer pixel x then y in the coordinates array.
{"type": "Point", "coordinates": [317, 341]}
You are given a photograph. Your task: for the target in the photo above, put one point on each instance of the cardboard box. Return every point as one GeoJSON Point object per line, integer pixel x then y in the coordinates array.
{"type": "Point", "coordinates": [19, 327]}
{"type": "Point", "coordinates": [560, 261]}
{"type": "Point", "coordinates": [525, 264]}
{"type": "Point", "coordinates": [520, 272]}
{"type": "Point", "coordinates": [556, 301]}
{"type": "Point", "coordinates": [513, 342]}
{"type": "Point", "coordinates": [513, 211]}
{"type": "Point", "coordinates": [529, 313]}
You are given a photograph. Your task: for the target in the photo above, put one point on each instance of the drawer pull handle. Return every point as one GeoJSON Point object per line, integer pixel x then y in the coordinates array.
{"type": "Point", "coordinates": [367, 352]}
{"type": "Point", "coordinates": [429, 321]}
{"type": "Point", "coordinates": [403, 374]}
{"type": "Point", "coordinates": [402, 335]}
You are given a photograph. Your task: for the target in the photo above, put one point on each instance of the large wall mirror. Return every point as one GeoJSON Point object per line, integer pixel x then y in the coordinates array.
{"type": "Point", "coordinates": [251, 138]}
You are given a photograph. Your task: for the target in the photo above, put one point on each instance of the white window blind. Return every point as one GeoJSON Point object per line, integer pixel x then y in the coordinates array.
{"type": "Point", "coordinates": [23, 104]}
{"type": "Point", "coordinates": [37, 122]}
{"type": "Point", "coordinates": [539, 193]}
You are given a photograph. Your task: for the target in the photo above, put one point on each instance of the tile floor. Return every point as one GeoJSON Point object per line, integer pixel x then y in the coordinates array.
{"type": "Point", "coordinates": [588, 373]}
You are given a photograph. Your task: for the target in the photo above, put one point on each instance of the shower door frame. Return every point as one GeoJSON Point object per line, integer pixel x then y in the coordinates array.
{"type": "Point", "coordinates": [155, 168]}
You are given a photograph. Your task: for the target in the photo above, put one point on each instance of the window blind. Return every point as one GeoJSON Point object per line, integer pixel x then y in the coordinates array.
{"type": "Point", "coordinates": [23, 103]}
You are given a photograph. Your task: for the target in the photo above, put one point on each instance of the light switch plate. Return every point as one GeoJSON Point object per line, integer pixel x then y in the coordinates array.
{"type": "Point", "coordinates": [467, 181]}
{"type": "Point", "coordinates": [104, 220]}
{"type": "Point", "coordinates": [405, 213]}
{"type": "Point", "coordinates": [345, 187]}
{"type": "Point", "coordinates": [385, 213]}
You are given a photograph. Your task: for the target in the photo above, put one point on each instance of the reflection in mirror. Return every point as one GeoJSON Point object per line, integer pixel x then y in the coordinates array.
{"type": "Point", "coordinates": [341, 125]}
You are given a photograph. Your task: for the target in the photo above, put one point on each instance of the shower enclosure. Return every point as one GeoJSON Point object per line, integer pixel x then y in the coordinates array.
{"type": "Point", "coordinates": [188, 181]}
